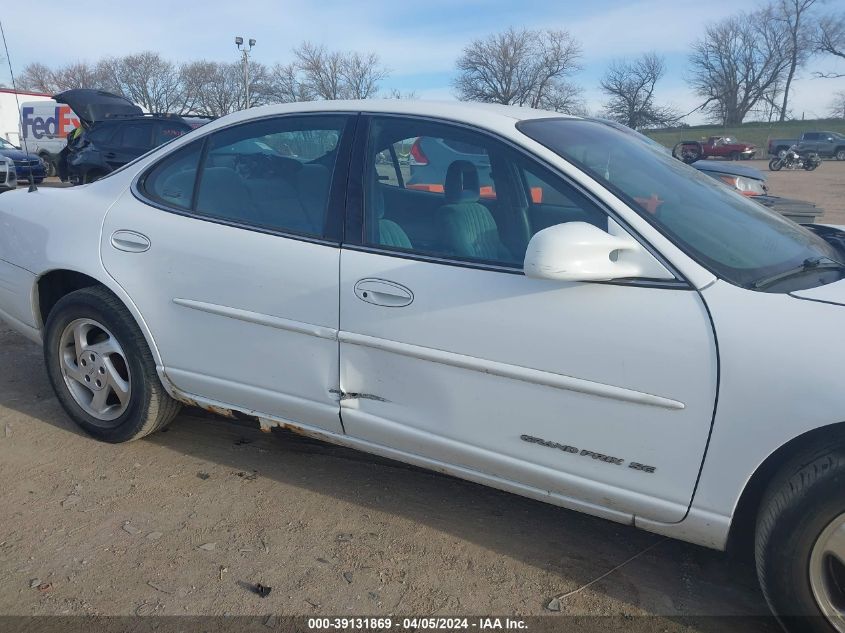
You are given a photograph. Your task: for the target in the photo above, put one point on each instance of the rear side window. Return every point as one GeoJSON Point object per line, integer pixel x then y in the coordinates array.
{"type": "Point", "coordinates": [101, 133]}
{"type": "Point", "coordinates": [137, 135]}
{"type": "Point", "coordinates": [811, 136]}
{"type": "Point", "coordinates": [273, 173]}
{"type": "Point", "coordinates": [171, 182]}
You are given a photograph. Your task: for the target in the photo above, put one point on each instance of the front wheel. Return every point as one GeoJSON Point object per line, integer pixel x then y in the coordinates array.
{"type": "Point", "coordinates": [840, 154]}
{"type": "Point", "coordinates": [101, 368]}
{"type": "Point", "coordinates": [775, 164]}
{"type": "Point", "coordinates": [800, 541]}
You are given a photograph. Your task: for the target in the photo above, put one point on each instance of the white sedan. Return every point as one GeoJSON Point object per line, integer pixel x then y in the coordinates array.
{"type": "Point", "coordinates": [539, 303]}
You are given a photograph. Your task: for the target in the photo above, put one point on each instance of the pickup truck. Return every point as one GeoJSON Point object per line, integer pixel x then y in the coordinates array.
{"type": "Point", "coordinates": [718, 146]}
{"type": "Point", "coordinates": [825, 144]}
{"type": "Point", "coordinates": [727, 147]}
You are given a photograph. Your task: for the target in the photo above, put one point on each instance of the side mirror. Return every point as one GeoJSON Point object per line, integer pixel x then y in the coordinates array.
{"type": "Point", "coordinates": [577, 251]}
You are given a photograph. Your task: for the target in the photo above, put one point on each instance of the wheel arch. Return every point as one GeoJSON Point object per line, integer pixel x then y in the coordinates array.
{"type": "Point", "coordinates": [54, 284]}
{"type": "Point", "coordinates": [744, 517]}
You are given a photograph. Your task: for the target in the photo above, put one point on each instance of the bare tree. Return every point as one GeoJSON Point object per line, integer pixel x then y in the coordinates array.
{"type": "Point", "coordinates": [737, 61]}
{"type": "Point", "coordinates": [829, 39]}
{"type": "Point", "coordinates": [395, 93]}
{"type": "Point", "coordinates": [837, 106]}
{"type": "Point", "coordinates": [338, 75]}
{"type": "Point", "coordinates": [37, 77]}
{"type": "Point", "coordinates": [520, 67]}
{"type": "Point", "coordinates": [286, 84]}
{"type": "Point", "coordinates": [630, 86]}
{"type": "Point", "coordinates": [796, 17]}
{"type": "Point", "coordinates": [146, 79]}
{"type": "Point", "coordinates": [361, 75]}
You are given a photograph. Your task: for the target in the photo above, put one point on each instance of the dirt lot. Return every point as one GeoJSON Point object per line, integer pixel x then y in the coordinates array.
{"type": "Point", "coordinates": [186, 521]}
{"type": "Point", "coordinates": [825, 187]}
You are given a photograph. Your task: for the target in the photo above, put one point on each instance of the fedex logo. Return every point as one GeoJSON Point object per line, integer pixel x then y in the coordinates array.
{"type": "Point", "coordinates": [59, 125]}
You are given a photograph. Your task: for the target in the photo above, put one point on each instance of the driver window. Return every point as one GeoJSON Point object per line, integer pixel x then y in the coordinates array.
{"type": "Point", "coordinates": [274, 173]}
{"type": "Point", "coordinates": [455, 193]}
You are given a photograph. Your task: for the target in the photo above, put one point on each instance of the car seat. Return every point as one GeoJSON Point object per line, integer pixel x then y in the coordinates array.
{"type": "Point", "coordinates": [465, 226]}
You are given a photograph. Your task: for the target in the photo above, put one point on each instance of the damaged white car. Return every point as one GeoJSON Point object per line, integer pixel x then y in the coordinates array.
{"type": "Point", "coordinates": [554, 309]}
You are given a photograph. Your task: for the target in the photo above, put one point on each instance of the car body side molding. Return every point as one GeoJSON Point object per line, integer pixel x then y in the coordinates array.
{"type": "Point", "coordinates": [515, 372]}
{"type": "Point", "coordinates": [261, 319]}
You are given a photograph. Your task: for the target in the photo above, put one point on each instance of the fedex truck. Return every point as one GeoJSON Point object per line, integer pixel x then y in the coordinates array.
{"type": "Point", "coordinates": [36, 121]}
{"type": "Point", "coordinates": [45, 125]}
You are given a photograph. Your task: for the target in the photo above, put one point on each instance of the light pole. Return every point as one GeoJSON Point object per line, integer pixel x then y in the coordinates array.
{"type": "Point", "coordinates": [239, 42]}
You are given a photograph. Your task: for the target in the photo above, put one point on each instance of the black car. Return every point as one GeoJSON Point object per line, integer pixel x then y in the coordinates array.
{"type": "Point", "coordinates": [114, 132]}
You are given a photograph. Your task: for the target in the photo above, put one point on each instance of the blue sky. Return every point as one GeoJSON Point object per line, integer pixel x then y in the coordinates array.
{"type": "Point", "coordinates": [418, 40]}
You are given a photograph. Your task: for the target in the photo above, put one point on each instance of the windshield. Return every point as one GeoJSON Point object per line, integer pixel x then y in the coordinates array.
{"type": "Point", "coordinates": [735, 238]}
{"type": "Point", "coordinates": [4, 144]}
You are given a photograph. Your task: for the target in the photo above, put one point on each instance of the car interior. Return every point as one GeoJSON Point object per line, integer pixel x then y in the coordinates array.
{"type": "Point", "coordinates": [250, 182]}
{"type": "Point", "coordinates": [452, 218]}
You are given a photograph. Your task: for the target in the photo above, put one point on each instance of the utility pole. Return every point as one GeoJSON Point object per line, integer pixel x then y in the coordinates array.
{"type": "Point", "coordinates": [245, 51]}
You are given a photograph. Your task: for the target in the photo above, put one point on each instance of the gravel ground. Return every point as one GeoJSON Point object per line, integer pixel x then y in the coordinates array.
{"type": "Point", "coordinates": [824, 187]}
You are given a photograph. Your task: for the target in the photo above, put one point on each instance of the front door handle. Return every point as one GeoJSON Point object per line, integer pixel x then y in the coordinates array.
{"type": "Point", "coordinates": [383, 293]}
{"type": "Point", "coordinates": [110, 155]}
{"type": "Point", "coordinates": [130, 241]}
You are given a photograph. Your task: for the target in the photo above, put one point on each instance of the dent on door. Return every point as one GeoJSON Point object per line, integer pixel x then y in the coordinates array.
{"type": "Point", "coordinates": [597, 392]}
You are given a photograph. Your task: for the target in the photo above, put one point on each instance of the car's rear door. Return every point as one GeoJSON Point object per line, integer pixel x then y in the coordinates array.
{"type": "Point", "coordinates": [229, 248]}
{"type": "Point", "coordinates": [600, 393]}
{"type": "Point", "coordinates": [132, 139]}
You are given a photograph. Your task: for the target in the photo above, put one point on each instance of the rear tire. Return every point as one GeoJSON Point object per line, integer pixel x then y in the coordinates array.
{"type": "Point", "coordinates": [101, 368]}
{"type": "Point", "coordinates": [799, 564]}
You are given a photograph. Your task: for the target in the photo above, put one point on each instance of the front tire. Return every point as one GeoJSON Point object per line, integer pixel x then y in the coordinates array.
{"type": "Point", "coordinates": [800, 541]}
{"type": "Point", "coordinates": [840, 154]}
{"type": "Point", "coordinates": [101, 368]}
{"type": "Point", "coordinates": [775, 164]}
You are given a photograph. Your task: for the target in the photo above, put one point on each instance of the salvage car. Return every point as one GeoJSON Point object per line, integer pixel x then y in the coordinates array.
{"type": "Point", "coordinates": [114, 132]}
{"type": "Point", "coordinates": [628, 346]}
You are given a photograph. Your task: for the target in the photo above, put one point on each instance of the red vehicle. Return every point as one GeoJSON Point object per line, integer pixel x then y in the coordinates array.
{"type": "Point", "coordinates": [719, 146]}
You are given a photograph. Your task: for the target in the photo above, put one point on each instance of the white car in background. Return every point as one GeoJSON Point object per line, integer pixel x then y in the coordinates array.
{"type": "Point", "coordinates": [605, 328]}
{"type": "Point", "coordinates": [8, 176]}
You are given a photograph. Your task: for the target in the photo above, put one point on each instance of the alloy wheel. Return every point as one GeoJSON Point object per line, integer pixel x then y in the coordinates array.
{"type": "Point", "coordinates": [95, 369]}
{"type": "Point", "coordinates": [827, 572]}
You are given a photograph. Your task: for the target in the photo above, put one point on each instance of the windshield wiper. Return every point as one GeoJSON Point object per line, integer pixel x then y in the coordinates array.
{"type": "Point", "coordinates": [808, 265]}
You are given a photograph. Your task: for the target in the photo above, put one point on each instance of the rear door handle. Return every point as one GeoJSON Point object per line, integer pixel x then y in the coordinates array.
{"type": "Point", "coordinates": [130, 241]}
{"type": "Point", "coordinates": [110, 155]}
{"type": "Point", "coordinates": [383, 293]}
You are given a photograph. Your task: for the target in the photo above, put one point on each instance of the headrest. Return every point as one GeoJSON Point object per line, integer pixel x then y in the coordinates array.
{"type": "Point", "coordinates": [461, 182]}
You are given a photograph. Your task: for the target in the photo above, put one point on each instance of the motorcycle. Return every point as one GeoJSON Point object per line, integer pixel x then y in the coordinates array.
{"type": "Point", "coordinates": [795, 159]}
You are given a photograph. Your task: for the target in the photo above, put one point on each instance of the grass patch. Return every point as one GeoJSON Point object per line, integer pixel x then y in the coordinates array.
{"type": "Point", "coordinates": [758, 132]}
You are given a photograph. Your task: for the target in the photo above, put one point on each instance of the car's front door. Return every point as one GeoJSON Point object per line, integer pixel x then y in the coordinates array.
{"type": "Point", "coordinates": [601, 393]}
{"type": "Point", "coordinates": [229, 248]}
